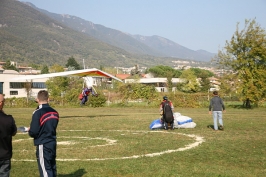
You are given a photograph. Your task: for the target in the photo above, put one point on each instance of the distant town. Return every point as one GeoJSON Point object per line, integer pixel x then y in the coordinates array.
{"type": "Point", "coordinates": [13, 88]}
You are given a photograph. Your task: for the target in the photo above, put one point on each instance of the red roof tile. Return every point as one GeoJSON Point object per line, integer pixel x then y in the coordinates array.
{"type": "Point", "coordinates": [122, 76]}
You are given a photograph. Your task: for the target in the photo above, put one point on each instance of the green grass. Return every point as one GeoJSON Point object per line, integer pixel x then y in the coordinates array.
{"type": "Point", "coordinates": [115, 142]}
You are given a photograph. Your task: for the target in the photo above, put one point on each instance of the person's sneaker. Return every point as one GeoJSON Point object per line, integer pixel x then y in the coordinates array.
{"type": "Point", "coordinates": [221, 127]}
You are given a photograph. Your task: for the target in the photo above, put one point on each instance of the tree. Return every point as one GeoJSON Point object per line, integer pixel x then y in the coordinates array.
{"type": "Point", "coordinates": [227, 86]}
{"type": "Point", "coordinates": [9, 66]}
{"type": "Point", "coordinates": [245, 55]}
{"type": "Point", "coordinates": [201, 73]}
{"type": "Point", "coordinates": [28, 89]}
{"type": "Point", "coordinates": [205, 84]}
{"type": "Point", "coordinates": [135, 71]}
{"type": "Point", "coordinates": [191, 84]}
{"type": "Point", "coordinates": [72, 63]}
{"type": "Point", "coordinates": [169, 83]}
{"type": "Point", "coordinates": [57, 86]}
{"type": "Point", "coordinates": [163, 71]}
{"type": "Point", "coordinates": [204, 75]}
{"type": "Point", "coordinates": [45, 70]}
{"type": "Point", "coordinates": [35, 66]}
{"type": "Point", "coordinates": [136, 91]}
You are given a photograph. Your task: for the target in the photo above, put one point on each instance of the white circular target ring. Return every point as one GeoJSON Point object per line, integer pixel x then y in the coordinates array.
{"type": "Point", "coordinates": [108, 142]}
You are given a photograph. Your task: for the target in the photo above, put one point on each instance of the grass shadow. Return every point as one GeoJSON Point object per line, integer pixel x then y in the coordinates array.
{"type": "Point", "coordinates": [78, 173]}
{"type": "Point", "coordinates": [210, 126]}
{"type": "Point", "coordinates": [240, 107]}
{"type": "Point", "coordinates": [66, 117]}
{"type": "Point", "coordinates": [90, 116]}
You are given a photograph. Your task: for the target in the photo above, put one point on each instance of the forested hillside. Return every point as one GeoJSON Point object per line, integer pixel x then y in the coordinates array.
{"type": "Point", "coordinates": [28, 36]}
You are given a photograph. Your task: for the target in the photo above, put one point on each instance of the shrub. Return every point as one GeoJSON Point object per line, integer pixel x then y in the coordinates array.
{"type": "Point", "coordinates": [97, 101]}
{"type": "Point", "coordinates": [20, 102]}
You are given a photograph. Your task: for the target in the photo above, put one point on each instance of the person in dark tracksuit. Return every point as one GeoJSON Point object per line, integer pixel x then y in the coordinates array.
{"type": "Point", "coordinates": [8, 129]}
{"type": "Point", "coordinates": [216, 108]}
{"type": "Point", "coordinates": [43, 129]}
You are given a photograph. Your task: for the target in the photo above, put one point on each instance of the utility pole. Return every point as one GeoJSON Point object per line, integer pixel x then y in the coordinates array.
{"type": "Point", "coordinates": [83, 64]}
{"type": "Point", "coordinates": [83, 78]}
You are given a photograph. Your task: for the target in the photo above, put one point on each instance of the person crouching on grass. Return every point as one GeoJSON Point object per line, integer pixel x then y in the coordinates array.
{"type": "Point", "coordinates": [43, 130]}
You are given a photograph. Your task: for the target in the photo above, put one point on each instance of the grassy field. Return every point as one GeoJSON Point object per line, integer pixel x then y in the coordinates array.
{"type": "Point", "coordinates": [118, 142]}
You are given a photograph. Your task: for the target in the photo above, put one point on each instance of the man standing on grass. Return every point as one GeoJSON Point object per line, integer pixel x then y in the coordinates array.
{"type": "Point", "coordinates": [43, 130]}
{"type": "Point", "coordinates": [8, 129]}
{"type": "Point", "coordinates": [216, 108]}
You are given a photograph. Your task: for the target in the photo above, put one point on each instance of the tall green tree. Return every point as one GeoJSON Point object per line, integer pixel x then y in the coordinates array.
{"type": "Point", "coordinates": [245, 54]}
{"type": "Point", "coordinates": [72, 63]}
{"type": "Point", "coordinates": [28, 89]}
{"type": "Point", "coordinates": [204, 76]}
{"type": "Point", "coordinates": [227, 86]}
{"type": "Point", "coordinates": [57, 86]}
{"type": "Point", "coordinates": [45, 69]}
{"type": "Point", "coordinates": [191, 85]}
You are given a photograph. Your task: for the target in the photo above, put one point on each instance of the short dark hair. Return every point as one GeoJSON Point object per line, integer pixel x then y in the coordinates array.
{"type": "Point", "coordinates": [43, 95]}
{"type": "Point", "coordinates": [215, 92]}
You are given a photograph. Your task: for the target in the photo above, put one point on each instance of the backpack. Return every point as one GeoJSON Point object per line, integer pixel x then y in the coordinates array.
{"type": "Point", "coordinates": [80, 96]}
{"type": "Point", "coordinates": [167, 112]}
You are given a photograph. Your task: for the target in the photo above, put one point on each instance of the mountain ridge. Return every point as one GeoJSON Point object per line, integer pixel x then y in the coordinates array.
{"type": "Point", "coordinates": [154, 45]}
{"type": "Point", "coordinates": [29, 36]}
{"type": "Point", "coordinates": [172, 49]}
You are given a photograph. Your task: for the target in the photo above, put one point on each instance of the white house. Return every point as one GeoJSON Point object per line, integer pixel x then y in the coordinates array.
{"type": "Point", "coordinates": [17, 88]}
{"type": "Point", "coordinates": [12, 83]}
{"type": "Point", "coordinates": [159, 83]}
{"type": "Point", "coordinates": [215, 84]}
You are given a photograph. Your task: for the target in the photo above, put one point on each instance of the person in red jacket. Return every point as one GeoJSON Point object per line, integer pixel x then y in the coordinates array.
{"type": "Point", "coordinates": [8, 129]}
{"type": "Point", "coordinates": [166, 111]}
{"type": "Point", "coordinates": [86, 91]}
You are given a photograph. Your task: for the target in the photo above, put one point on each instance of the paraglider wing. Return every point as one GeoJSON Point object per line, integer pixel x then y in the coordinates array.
{"type": "Point", "coordinates": [82, 73]}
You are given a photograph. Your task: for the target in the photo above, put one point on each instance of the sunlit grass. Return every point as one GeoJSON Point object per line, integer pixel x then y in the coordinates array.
{"type": "Point", "coordinates": [116, 141]}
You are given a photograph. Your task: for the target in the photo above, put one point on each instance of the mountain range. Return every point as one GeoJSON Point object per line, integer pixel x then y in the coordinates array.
{"type": "Point", "coordinates": [148, 45]}
{"type": "Point", "coordinates": [32, 35]}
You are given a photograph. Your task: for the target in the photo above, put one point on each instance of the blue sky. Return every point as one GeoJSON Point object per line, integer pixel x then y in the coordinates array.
{"type": "Point", "coordinates": [195, 24]}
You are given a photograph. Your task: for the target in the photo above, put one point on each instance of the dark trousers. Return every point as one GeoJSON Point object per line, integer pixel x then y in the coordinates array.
{"type": "Point", "coordinates": [46, 154]}
{"type": "Point", "coordinates": [165, 124]}
{"type": "Point", "coordinates": [5, 166]}
{"type": "Point", "coordinates": [84, 100]}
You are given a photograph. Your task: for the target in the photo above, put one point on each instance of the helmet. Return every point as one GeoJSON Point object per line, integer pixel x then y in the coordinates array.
{"type": "Point", "coordinates": [165, 98]}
